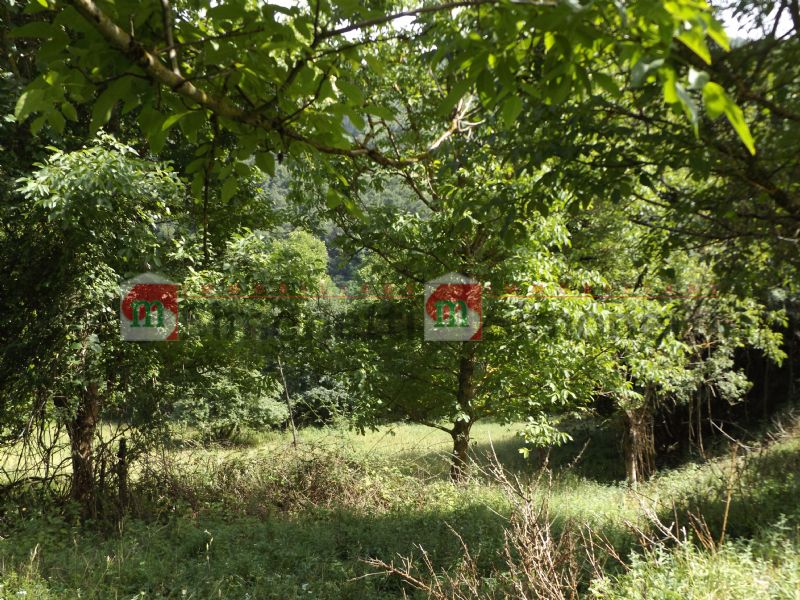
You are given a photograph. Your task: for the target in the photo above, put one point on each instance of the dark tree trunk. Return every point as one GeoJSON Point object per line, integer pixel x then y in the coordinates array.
{"type": "Point", "coordinates": [461, 427]}
{"type": "Point", "coordinates": [460, 433]}
{"type": "Point", "coordinates": [81, 429]}
{"type": "Point", "coordinates": [122, 476]}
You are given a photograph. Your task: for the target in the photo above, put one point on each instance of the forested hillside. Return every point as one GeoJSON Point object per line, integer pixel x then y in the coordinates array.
{"type": "Point", "coordinates": [472, 299]}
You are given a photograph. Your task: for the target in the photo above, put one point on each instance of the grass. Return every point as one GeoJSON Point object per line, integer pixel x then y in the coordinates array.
{"type": "Point", "coordinates": [768, 567]}
{"type": "Point", "coordinates": [266, 521]}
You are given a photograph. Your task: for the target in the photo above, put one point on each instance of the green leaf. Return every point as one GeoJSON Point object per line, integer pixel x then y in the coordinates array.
{"type": "Point", "coordinates": [714, 98]}
{"type": "Point", "coordinates": [670, 89]}
{"type": "Point", "coordinates": [456, 93]}
{"type": "Point", "coordinates": [736, 118]}
{"type": "Point", "coordinates": [198, 182]}
{"type": "Point", "coordinates": [37, 124]}
{"type": "Point", "coordinates": [229, 188]}
{"type": "Point", "coordinates": [717, 32]}
{"type": "Point", "coordinates": [348, 7]}
{"type": "Point", "coordinates": [56, 120]}
{"type": "Point", "coordinates": [241, 169]}
{"type": "Point", "coordinates": [353, 92]}
{"type": "Point", "coordinates": [193, 122]}
{"type": "Point", "coordinates": [334, 198]}
{"type": "Point", "coordinates": [643, 68]}
{"type": "Point", "coordinates": [101, 111]}
{"type": "Point", "coordinates": [353, 208]}
{"type": "Point", "coordinates": [549, 40]}
{"type": "Point", "coordinates": [30, 101]}
{"type": "Point", "coordinates": [379, 111]}
{"type": "Point", "coordinates": [196, 165]}
{"type": "Point", "coordinates": [718, 102]}
{"type": "Point", "coordinates": [511, 109]}
{"type": "Point", "coordinates": [172, 119]}
{"type": "Point", "coordinates": [375, 64]}
{"type": "Point", "coordinates": [37, 29]}
{"type": "Point", "coordinates": [607, 83]}
{"type": "Point", "coordinates": [556, 94]}
{"type": "Point", "coordinates": [695, 40]}
{"type": "Point", "coordinates": [69, 111]}
{"type": "Point", "coordinates": [689, 106]}
{"type": "Point", "coordinates": [150, 121]}
{"type": "Point", "coordinates": [266, 162]}
{"type": "Point", "coordinates": [343, 110]}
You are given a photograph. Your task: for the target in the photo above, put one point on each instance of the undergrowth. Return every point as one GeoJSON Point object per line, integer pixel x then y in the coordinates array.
{"type": "Point", "coordinates": [344, 517]}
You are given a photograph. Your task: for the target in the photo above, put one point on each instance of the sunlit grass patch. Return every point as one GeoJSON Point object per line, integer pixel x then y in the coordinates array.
{"type": "Point", "coordinates": [765, 568]}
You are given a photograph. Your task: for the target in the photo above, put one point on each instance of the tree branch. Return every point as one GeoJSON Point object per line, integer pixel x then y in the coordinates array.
{"type": "Point", "coordinates": [149, 62]}
{"type": "Point", "coordinates": [423, 10]}
{"type": "Point", "coordinates": [430, 424]}
{"type": "Point", "coordinates": [122, 41]}
{"type": "Point", "coordinates": [172, 52]}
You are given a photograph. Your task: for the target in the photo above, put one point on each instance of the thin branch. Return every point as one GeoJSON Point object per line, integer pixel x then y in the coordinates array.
{"type": "Point", "coordinates": [211, 38]}
{"type": "Point", "coordinates": [166, 11]}
{"type": "Point", "coordinates": [431, 424]}
{"type": "Point", "coordinates": [419, 11]}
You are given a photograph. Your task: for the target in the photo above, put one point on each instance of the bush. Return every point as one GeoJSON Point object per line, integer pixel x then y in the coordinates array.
{"type": "Point", "coordinates": [539, 558]}
{"type": "Point", "coordinates": [322, 404]}
{"type": "Point", "coordinates": [257, 484]}
{"type": "Point", "coordinates": [224, 402]}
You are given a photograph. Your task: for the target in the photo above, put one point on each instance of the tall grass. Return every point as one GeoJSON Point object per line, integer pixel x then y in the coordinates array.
{"type": "Point", "coordinates": [270, 521]}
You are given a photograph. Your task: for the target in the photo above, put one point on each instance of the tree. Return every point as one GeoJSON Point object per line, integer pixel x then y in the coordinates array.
{"type": "Point", "coordinates": [285, 80]}
{"type": "Point", "coordinates": [90, 219]}
{"type": "Point", "coordinates": [673, 330]}
{"type": "Point", "coordinates": [532, 362]}
{"type": "Point", "coordinates": [250, 314]}
{"type": "Point", "coordinates": [741, 207]}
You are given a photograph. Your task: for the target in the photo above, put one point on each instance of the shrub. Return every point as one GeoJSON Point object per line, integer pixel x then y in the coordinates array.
{"type": "Point", "coordinates": [222, 402]}
{"type": "Point", "coordinates": [538, 559]}
{"type": "Point", "coordinates": [257, 484]}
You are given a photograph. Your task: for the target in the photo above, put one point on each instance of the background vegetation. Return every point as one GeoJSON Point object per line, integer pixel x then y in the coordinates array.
{"type": "Point", "coordinates": [627, 426]}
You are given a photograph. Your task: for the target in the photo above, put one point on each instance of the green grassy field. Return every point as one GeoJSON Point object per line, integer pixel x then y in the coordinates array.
{"type": "Point", "coordinates": [269, 521]}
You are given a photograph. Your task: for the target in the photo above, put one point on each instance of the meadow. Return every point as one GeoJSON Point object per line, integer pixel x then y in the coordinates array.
{"type": "Point", "coordinates": [345, 515]}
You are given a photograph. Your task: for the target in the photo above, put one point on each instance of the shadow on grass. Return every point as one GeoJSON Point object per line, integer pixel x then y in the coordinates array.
{"type": "Point", "coordinates": [214, 549]}
{"type": "Point", "coordinates": [593, 454]}
{"type": "Point", "coordinates": [315, 555]}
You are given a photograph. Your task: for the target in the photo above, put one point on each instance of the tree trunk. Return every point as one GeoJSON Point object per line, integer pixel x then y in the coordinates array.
{"type": "Point", "coordinates": [631, 472]}
{"type": "Point", "coordinates": [288, 402]}
{"type": "Point", "coordinates": [461, 427]}
{"type": "Point", "coordinates": [460, 433]}
{"type": "Point", "coordinates": [81, 429]}
{"type": "Point", "coordinates": [638, 443]}
{"type": "Point", "coordinates": [122, 476]}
